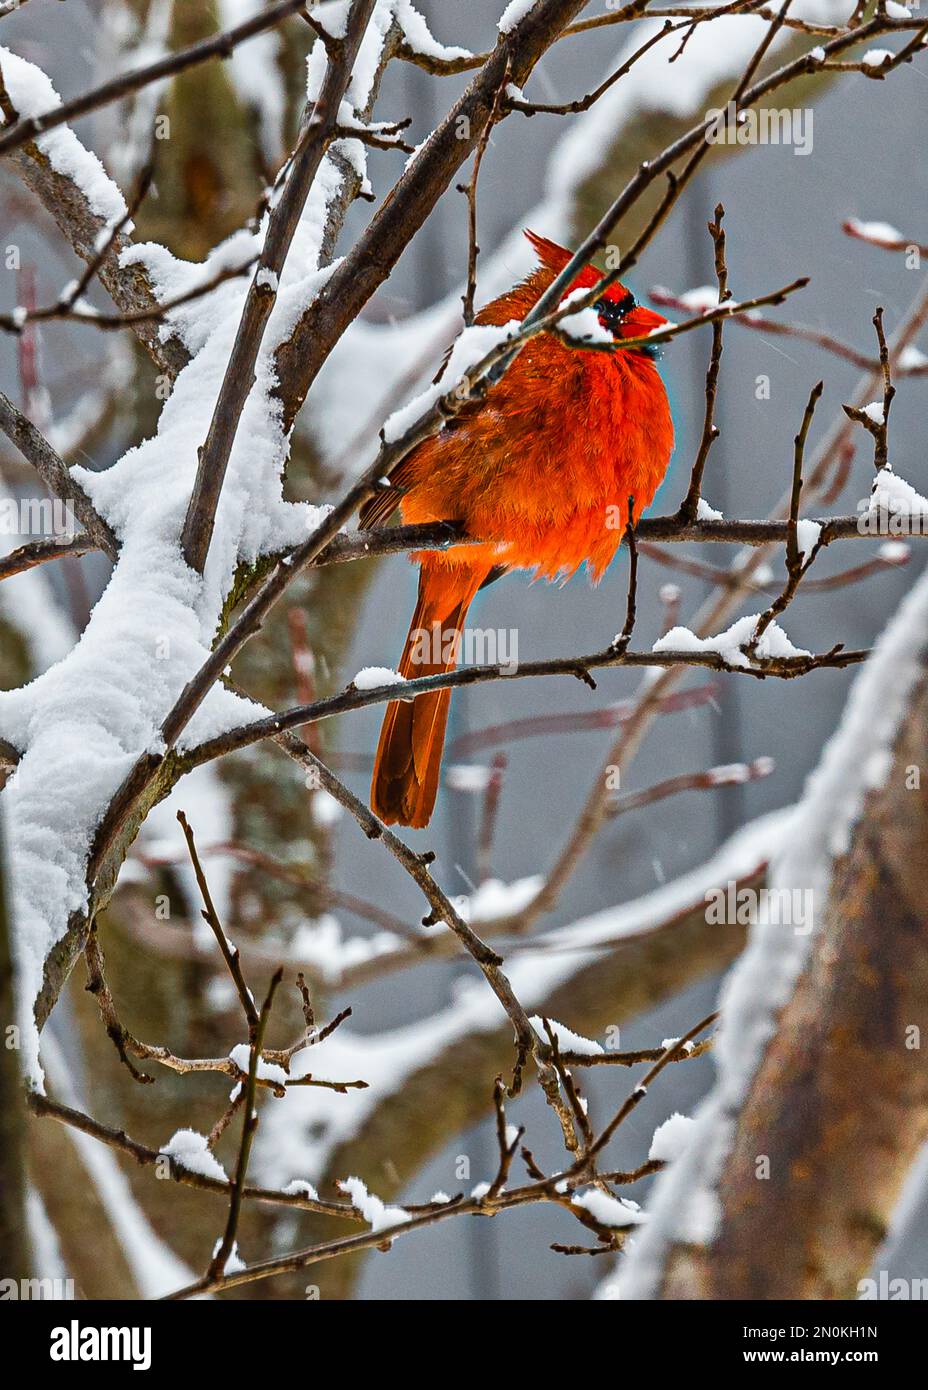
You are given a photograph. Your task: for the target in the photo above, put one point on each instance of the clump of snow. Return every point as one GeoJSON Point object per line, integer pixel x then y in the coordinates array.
{"type": "Point", "coordinates": [375, 1212]}
{"type": "Point", "coordinates": [706, 513]}
{"type": "Point", "coordinates": [894, 552]}
{"type": "Point", "coordinates": [875, 57]}
{"type": "Point", "coordinates": [324, 809]}
{"type": "Point", "coordinates": [730, 643]}
{"type": "Point", "coordinates": [355, 152]}
{"type": "Point", "coordinates": [416, 149]}
{"type": "Point", "coordinates": [233, 1260]}
{"type": "Point", "coordinates": [190, 1150]}
{"type": "Point", "coordinates": [266, 1071]}
{"type": "Point", "coordinates": [171, 278]}
{"type": "Point", "coordinates": [366, 64]}
{"type": "Point", "coordinates": [874, 412]}
{"type": "Point", "coordinates": [299, 1187]}
{"type": "Point", "coordinates": [897, 11]}
{"type": "Point", "coordinates": [373, 677]}
{"type": "Point", "coordinates": [584, 325]}
{"type": "Point", "coordinates": [33, 95]}
{"type": "Point", "coordinates": [893, 494]}
{"type": "Point", "coordinates": [609, 1211]}
{"type": "Point", "coordinates": [419, 37]}
{"type": "Point", "coordinates": [700, 300]}
{"type": "Point", "coordinates": [911, 358]}
{"type": "Point", "coordinates": [512, 14]}
{"type": "Point", "coordinates": [874, 231]}
{"type": "Point", "coordinates": [733, 774]}
{"type": "Point", "coordinates": [808, 534]}
{"type": "Point", "coordinates": [567, 1040]}
{"type": "Point", "coordinates": [333, 16]}
{"type": "Point", "coordinates": [671, 1138]}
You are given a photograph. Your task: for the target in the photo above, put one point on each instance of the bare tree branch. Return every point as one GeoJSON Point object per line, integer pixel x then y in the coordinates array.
{"type": "Point", "coordinates": [54, 473]}
{"type": "Point", "coordinates": [39, 552]}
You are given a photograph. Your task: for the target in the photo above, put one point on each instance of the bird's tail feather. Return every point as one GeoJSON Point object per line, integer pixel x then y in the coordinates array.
{"type": "Point", "coordinates": [408, 761]}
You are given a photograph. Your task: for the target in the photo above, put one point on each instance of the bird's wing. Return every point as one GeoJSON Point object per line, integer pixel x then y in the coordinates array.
{"type": "Point", "coordinates": [378, 509]}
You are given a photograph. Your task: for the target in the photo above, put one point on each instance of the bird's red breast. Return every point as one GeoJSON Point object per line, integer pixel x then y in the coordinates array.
{"type": "Point", "coordinates": [544, 468]}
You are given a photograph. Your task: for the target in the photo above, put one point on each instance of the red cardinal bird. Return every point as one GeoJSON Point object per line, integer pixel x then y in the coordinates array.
{"type": "Point", "coordinates": [541, 471]}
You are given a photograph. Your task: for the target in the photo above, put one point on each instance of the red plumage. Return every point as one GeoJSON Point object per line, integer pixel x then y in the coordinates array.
{"type": "Point", "coordinates": [541, 472]}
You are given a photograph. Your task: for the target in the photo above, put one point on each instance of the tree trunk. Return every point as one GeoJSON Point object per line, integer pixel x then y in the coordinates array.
{"type": "Point", "coordinates": [839, 1105]}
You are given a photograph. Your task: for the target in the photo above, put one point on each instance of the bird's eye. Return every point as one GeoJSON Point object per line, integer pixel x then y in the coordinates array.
{"type": "Point", "coordinates": [613, 311]}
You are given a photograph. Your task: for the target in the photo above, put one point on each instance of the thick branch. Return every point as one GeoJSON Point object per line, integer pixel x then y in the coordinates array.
{"type": "Point", "coordinates": [317, 131]}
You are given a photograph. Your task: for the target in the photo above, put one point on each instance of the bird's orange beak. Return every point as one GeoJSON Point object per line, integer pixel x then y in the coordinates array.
{"type": "Point", "coordinates": [641, 321]}
{"type": "Point", "coordinates": [638, 323]}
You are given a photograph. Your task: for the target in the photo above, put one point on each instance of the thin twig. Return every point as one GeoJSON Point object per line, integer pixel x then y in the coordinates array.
{"type": "Point", "coordinates": [736, 775]}
{"type": "Point", "coordinates": [710, 431]}
{"type": "Point", "coordinates": [470, 190]}
{"type": "Point", "coordinates": [877, 423]}
{"type": "Point", "coordinates": [579, 667]}
{"type": "Point", "coordinates": [230, 954]}
{"type": "Point", "coordinates": [797, 562]}
{"type": "Point", "coordinates": [187, 1177]}
{"type": "Point", "coordinates": [249, 1126]}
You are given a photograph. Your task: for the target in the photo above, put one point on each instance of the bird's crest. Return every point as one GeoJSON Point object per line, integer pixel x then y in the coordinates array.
{"type": "Point", "coordinates": [555, 258]}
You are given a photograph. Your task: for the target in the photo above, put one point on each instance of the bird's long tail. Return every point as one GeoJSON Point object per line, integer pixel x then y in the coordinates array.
{"type": "Point", "coordinates": [408, 761]}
